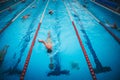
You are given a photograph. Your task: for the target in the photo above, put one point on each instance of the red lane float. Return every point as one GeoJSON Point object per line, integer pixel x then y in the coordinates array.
{"type": "Point", "coordinates": [85, 53]}
{"type": "Point", "coordinates": [29, 54]}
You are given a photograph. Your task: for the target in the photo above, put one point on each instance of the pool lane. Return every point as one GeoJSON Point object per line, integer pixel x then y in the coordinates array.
{"type": "Point", "coordinates": [32, 45]}
{"type": "Point", "coordinates": [63, 32]}
{"type": "Point", "coordinates": [89, 28]}
{"type": "Point", "coordinates": [7, 17]}
{"type": "Point", "coordinates": [80, 42]}
{"type": "Point", "coordinates": [18, 39]}
{"type": "Point", "coordinates": [6, 4]}
{"type": "Point", "coordinates": [105, 16]}
{"type": "Point", "coordinates": [106, 25]}
{"type": "Point", "coordinates": [4, 9]}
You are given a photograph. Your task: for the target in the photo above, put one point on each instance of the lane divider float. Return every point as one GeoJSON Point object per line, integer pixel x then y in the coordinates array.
{"type": "Point", "coordinates": [14, 18]}
{"type": "Point", "coordinates": [32, 45]}
{"type": "Point", "coordinates": [82, 46]}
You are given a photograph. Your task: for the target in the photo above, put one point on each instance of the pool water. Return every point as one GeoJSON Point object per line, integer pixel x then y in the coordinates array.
{"type": "Point", "coordinates": [67, 55]}
{"type": "Point", "coordinates": [104, 15]}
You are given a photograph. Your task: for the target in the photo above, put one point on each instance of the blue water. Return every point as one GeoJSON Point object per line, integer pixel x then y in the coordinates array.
{"type": "Point", "coordinates": [104, 15]}
{"type": "Point", "coordinates": [7, 15]}
{"type": "Point", "coordinates": [102, 49]}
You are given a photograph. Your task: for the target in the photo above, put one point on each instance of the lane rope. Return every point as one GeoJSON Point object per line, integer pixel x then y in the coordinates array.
{"type": "Point", "coordinates": [32, 45]}
{"type": "Point", "coordinates": [82, 46]}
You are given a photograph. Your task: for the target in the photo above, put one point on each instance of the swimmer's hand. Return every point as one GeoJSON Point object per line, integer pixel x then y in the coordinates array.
{"type": "Point", "coordinates": [40, 40]}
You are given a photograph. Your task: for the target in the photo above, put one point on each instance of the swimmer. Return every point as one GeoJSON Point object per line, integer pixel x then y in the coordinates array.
{"type": "Point", "coordinates": [25, 16]}
{"type": "Point", "coordinates": [50, 12]}
{"type": "Point", "coordinates": [48, 43]}
{"type": "Point", "coordinates": [33, 6]}
{"type": "Point", "coordinates": [114, 26]}
{"type": "Point", "coordinates": [10, 9]}
{"type": "Point", "coordinates": [3, 52]}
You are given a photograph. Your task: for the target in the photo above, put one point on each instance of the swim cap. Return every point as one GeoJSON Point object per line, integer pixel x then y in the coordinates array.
{"type": "Point", "coordinates": [49, 50]}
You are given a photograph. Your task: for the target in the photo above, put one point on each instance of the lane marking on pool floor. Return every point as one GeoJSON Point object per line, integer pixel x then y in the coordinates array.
{"type": "Point", "coordinates": [82, 46]}
{"type": "Point", "coordinates": [14, 18]}
{"type": "Point", "coordinates": [10, 6]}
{"type": "Point", "coordinates": [32, 45]}
{"type": "Point", "coordinates": [105, 7]}
{"type": "Point", "coordinates": [110, 32]}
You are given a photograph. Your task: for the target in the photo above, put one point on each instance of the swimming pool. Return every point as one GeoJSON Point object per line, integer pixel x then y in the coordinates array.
{"type": "Point", "coordinates": [68, 58]}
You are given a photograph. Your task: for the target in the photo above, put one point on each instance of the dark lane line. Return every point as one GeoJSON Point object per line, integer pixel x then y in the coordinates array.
{"type": "Point", "coordinates": [55, 58]}
{"type": "Point", "coordinates": [99, 68]}
{"type": "Point", "coordinates": [82, 46]}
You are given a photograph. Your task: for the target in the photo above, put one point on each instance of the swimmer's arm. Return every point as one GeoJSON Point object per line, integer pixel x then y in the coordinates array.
{"type": "Point", "coordinates": [42, 42]}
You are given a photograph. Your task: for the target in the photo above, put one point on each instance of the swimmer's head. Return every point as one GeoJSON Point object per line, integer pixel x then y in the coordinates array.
{"type": "Point", "coordinates": [49, 50]}
{"type": "Point", "coordinates": [51, 12]}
